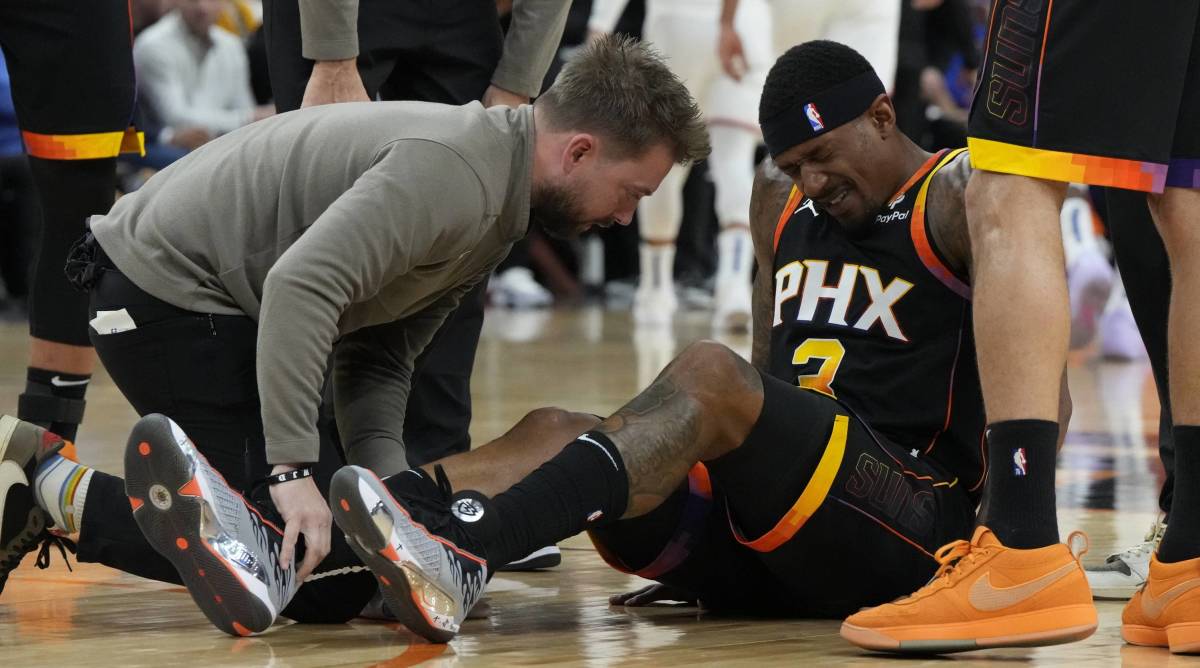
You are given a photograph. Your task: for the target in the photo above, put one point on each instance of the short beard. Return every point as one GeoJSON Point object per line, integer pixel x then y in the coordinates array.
{"type": "Point", "coordinates": [556, 210]}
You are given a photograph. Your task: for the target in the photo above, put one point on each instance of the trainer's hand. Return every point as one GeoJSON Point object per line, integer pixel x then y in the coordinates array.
{"type": "Point", "coordinates": [495, 96]}
{"type": "Point", "coordinates": [729, 49]}
{"type": "Point", "coordinates": [650, 594]}
{"type": "Point", "coordinates": [305, 512]}
{"type": "Point", "coordinates": [334, 81]}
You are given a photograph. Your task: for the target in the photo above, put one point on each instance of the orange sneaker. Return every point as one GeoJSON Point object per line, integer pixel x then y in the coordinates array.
{"type": "Point", "coordinates": [984, 595]}
{"type": "Point", "coordinates": [1166, 611]}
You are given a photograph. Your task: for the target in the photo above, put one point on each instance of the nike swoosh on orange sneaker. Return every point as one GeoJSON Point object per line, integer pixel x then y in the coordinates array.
{"type": "Point", "coordinates": [988, 598]}
{"type": "Point", "coordinates": [1153, 606]}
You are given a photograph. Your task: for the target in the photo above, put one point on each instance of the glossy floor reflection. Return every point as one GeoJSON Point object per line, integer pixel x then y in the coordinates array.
{"type": "Point", "coordinates": [590, 360]}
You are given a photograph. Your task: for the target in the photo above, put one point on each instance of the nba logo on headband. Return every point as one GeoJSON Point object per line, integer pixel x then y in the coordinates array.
{"type": "Point", "coordinates": [814, 117]}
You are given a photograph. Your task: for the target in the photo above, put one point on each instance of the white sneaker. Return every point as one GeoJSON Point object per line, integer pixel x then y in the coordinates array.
{"type": "Point", "coordinates": [1124, 573]}
{"type": "Point", "coordinates": [516, 288]}
{"type": "Point", "coordinates": [732, 310]}
{"type": "Point", "coordinates": [654, 306]}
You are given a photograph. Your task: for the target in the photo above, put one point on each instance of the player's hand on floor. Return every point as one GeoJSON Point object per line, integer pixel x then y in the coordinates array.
{"type": "Point", "coordinates": [655, 593]}
{"type": "Point", "coordinates": [305, 513]}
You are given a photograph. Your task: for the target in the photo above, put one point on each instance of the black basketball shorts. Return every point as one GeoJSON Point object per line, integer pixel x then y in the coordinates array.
{"type": "Point", "coordinates": [71, 65]}
{"type": "Point", "coordinates": [1102, 92]}
{"type": "Point", "coordinates": [861, 522]}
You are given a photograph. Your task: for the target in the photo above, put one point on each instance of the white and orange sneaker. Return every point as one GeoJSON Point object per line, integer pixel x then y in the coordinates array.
{"type": "Point", "coordinates": [1166, 611]}
{"type": "Point", "coordinates": [984, 595]}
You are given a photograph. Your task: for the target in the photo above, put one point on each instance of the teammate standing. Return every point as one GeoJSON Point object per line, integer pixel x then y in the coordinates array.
{"type": "Point", "coordinates": [1065, 96]}
{"type": "Point", "coordinates": [71, 67]}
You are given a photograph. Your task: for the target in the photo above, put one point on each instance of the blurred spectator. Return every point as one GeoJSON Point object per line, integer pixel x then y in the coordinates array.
{"type": "Point", "coordinates": [239, 19]}
{"type": "Point", "coordinates": [939, 56]}
{"type": "Point", "coordinates": [195, 77]}
{"type": "Point", "coordinates": [145, 13]}
{"type": "Point", "coordinates": [19, 214]}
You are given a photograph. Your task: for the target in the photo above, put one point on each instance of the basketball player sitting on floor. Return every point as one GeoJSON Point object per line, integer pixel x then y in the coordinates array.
{"type": "Point", "coordinates": [842, 469]}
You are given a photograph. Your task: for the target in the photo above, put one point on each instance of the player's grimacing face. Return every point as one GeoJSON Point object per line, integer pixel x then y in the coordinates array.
{"type": "Point", "coordinates": [843, 172]}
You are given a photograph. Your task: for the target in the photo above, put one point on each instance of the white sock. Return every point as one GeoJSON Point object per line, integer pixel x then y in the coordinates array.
{"type": "Point", "coordinates": [60, 488]}
{"type": "Point", "coordinates": [735, 254]}
{"type": "Point", "coordinates": [657, 267]}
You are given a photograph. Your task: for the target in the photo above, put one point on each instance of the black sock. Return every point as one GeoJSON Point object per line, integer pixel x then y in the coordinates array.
{"type": "Point", "coordinates": [54, 400]}
{"type": "Point", "coordinates": [1018, 497]}
{"type": "Point", "coordinates": [1182, 539]}
{"type": "Point", "coordinates": [583, 485]}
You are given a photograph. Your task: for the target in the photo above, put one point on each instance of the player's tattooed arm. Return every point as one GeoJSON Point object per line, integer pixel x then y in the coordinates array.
{"type": "Point", "coordinates": [947, 213]}
{"type": "Point", "coordinates": [770, 194]}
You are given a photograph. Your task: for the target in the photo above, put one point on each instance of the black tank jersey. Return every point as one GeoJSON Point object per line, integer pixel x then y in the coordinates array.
{"type": "Point", "coordinates": [882, 325]}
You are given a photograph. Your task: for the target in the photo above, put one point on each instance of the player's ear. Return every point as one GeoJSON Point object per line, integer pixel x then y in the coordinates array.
{"type": "Point", "coordinates": [882, 114]}
{"type": "Point", "coordinates": [579, 148]}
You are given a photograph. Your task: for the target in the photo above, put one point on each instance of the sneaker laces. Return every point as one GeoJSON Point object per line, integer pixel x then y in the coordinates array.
{"type": "Point", "coordinates": [45, 540]}
{"type": "Point", "coordinates": [952, 555]}
{"type": "Point", "coordinates": [1142, 550]}
{"type": "Point", "coordinates": [949, 557]}
{"type": "Point", "coordinates": [63, 544]}
{"type": "Point", "coordinates": [433, 511]}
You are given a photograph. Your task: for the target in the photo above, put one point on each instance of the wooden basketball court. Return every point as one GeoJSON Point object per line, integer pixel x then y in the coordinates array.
{"type": "Point", "coordinates": [590, 360]}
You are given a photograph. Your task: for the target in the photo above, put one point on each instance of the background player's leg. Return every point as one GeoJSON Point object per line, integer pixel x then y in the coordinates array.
{"type": "Point", "coordinates": [734, 131]}
{"type": "Point", "coordinates": [1177, 215]}
{"type": "Point", "coordinates": [689, 44]}
{"type": "Point", "coordinates": [1146, 273]}
{"type": "Point", "coordinates": [659, 218]}
{"type": "Point", "coordinates": [1022, 326]}
{"type": "Point", "coordinates": [71, 68]}
{"type": "Point", "coordinates": [61, 358]}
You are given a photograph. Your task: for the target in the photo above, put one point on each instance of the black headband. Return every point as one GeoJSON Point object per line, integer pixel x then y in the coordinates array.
{"type": "Point", "coordinates": [823, 112]}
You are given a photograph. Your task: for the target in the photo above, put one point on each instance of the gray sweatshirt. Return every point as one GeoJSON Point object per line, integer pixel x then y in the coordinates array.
{"type": "Point", "coordinates": [329, 31]}
{"type": "Point", "coordinates": [364, 222]}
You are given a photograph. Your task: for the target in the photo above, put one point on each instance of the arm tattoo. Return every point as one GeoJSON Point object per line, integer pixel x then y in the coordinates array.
{"type": "Point", "coordinates": [657, 434]}
{"type": "Point", "coordinates": [771, 190]}
{"type": "Point", "coordinates": [948, 214]}
{"type": "Point", "coordinates": [698, 408]}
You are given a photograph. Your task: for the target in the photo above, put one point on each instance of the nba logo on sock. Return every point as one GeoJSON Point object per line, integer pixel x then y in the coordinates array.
{"type": "Point", "coordinates": [1019, 462]}
{"type": "Point", "coordinates": [814, 117]}
{"type": "Point", "coordinates": [597, 514]}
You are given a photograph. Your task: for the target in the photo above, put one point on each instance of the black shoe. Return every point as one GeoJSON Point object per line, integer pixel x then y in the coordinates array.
{"type": "Point", "coordinates": [23, 525]}
{"type": "Point", "coordinates": [425, 561]}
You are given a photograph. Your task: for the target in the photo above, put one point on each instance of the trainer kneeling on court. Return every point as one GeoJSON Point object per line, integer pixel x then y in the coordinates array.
{"type": "Point", "coordinates": [339, 235]}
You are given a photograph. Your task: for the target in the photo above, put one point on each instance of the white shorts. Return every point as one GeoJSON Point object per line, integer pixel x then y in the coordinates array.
{"type": "Point", "coordinates": [871, 27]}
{"type": "Point", "coordinates": [688, 39]}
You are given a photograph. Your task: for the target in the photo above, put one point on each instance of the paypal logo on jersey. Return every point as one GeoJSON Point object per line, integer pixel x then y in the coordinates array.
{"type": "Point", "coordinates": [814, 117]}
{"type": "Point", "coordinates": [892, 217]}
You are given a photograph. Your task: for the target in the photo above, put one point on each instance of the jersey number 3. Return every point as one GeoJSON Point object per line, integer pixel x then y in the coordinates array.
{"type": "Point", "coordinates": [831, 352]}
